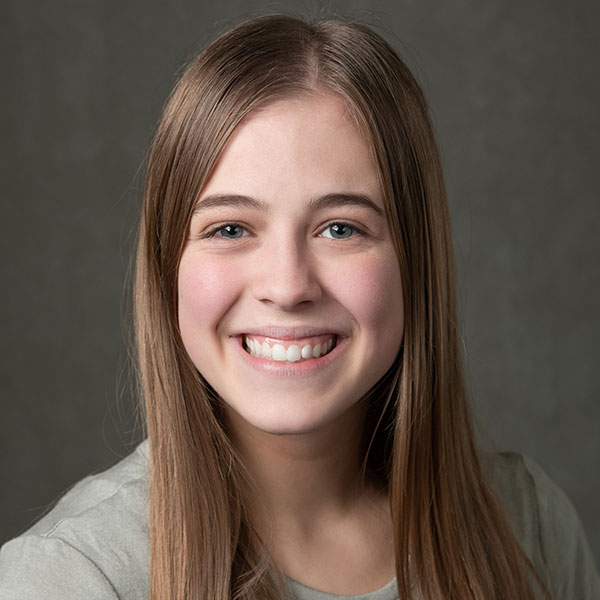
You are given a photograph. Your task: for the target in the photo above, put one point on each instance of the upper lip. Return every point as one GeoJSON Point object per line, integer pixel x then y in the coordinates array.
{"type": "Point", "coordinates": [290, 333]}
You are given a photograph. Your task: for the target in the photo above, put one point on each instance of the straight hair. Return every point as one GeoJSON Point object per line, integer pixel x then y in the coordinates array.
{"type": "Point", "coordinates": [451, 536]}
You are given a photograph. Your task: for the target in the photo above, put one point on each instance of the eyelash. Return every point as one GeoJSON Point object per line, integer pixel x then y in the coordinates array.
{"type": "Point", "coordinates": [219, 228]}
{"type": "Point", "coordinates": [212, 233]}
{"type": "Point", "coordinates": [355, 230]}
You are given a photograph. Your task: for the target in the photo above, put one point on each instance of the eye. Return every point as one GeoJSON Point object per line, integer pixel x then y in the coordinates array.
{"type": "Point", "coordinates": [339, 231]}
{"type": "Point", "coordinates": [230, 231]}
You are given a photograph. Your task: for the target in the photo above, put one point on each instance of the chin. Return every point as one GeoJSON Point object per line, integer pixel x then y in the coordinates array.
{"type": "Point", "coordinates": [283, 422]}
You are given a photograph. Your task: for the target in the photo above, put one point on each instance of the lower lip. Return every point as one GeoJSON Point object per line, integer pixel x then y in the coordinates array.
{"type": "Point", "coordinates": [301, 368]}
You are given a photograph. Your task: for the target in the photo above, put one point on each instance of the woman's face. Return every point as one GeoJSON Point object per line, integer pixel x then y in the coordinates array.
{"type": "Point", "coordinates": [290, 298]}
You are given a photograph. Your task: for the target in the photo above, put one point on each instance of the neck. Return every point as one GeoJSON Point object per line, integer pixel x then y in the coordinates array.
{"type": "Point", "coordinates": [321, 523]}
{"type": "Point", "coordinates": [302, 480]}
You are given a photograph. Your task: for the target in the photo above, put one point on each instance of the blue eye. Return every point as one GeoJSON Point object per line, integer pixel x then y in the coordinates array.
{"type": "Point", "coordinates": [230, 231]}
{"type": "Point", "coordinates": [339, 231]}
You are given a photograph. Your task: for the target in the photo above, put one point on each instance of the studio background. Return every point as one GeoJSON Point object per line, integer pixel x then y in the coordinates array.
{"type": "Point", "coordinates": [514, 90]}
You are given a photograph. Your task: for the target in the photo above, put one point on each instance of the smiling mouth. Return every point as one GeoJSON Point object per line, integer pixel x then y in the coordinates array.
{"type": "Point", "coordinates": [289, 351]}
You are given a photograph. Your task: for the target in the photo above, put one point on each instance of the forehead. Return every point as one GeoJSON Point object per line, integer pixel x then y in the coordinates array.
{"type": "Point", "coordinates": [306, 144]}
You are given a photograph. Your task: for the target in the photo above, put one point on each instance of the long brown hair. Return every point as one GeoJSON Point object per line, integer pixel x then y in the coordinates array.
{"type": "Point", "coordinates": [445, 518]}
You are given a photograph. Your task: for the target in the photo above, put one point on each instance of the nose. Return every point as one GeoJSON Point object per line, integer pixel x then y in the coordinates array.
{"type": "Point", "coordinates": [286, 276]}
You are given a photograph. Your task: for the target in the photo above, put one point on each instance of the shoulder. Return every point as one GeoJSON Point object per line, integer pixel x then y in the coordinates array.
{"type": "Point", "coordinates": [93, 543]}
{"type": "Point", "coordinates": [546, 525]}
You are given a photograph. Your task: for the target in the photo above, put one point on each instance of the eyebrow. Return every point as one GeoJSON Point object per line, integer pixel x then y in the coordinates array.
{"type": "Point", "coordinates": [335, 200]}
{"type": "Point", "coordinates": [224, 200]}
{"type": "Point", "coordinates": [322, 202]}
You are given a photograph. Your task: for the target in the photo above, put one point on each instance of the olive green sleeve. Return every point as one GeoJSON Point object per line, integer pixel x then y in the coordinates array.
{"type": "Point", "coordinates": [564, 547]}
{"type": "Point", "coordinates": [43, 568]}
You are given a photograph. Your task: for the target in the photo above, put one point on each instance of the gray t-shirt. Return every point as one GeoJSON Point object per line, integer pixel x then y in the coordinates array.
{"type": "Point", "coordinates": [95, 544]}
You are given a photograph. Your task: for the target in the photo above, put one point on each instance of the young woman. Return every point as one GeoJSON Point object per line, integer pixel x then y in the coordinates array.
{"type": "Point", "coordinates": [309, 434]}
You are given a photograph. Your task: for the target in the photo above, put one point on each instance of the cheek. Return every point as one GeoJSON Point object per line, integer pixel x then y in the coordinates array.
{"type": "Point", "coordinates": [206, 289]}
{"type": "Point", "coordinates": [372, 292]}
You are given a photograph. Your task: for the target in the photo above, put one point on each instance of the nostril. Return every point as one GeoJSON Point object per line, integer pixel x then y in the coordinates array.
{"type": "Point", "coordinates": [288, 295]}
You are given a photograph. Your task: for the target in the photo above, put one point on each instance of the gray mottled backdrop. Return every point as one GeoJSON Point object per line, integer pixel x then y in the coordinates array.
{"type": "Point", "coordinates": [514, 89]}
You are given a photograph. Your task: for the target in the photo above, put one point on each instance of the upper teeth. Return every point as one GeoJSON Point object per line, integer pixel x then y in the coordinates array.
{"type": "Point", "coordinates": [293, 353]}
